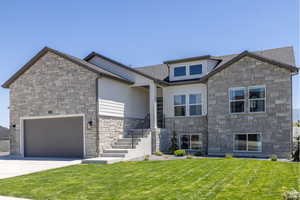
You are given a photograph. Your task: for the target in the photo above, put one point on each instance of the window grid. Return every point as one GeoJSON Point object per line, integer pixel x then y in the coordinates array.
{"type": "Point", "coordinates": [247, 143]}
{"type": "Point", "coordinates": [190, 142]}
{"type": "Point", "coordinates": [237, 100]}
{"type": "Point", "coordinates": [180, 105]}
{"type": "Point", "coordinates": [249, 100]}
{"type": "Point", "coordinates": [187, 105]}
{"type": "Point", "coordinates": [196, 104]}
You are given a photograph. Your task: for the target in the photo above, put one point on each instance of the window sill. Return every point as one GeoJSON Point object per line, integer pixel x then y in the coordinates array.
{"type": "Point", "coordinates": [235, 151]}
{"type": "Point", "coordinates": [189, 116]}
{"type": "Point", "coordinates": [247, 113]}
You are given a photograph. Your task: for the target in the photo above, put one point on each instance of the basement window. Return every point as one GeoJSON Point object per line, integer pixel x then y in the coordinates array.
{"type": "Point", "coordinates": [190, 142]}
{"type": "Point", "coordinates": [247, 142]}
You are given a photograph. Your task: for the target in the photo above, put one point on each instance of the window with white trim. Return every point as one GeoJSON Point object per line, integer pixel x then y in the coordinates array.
{"type": "Point", "coordinates": [195, 69]}
{"type": "Point", "coordinates": [179, 105]}
{"type": "Point", "coordinates": [195, 104]}
{"type": "Point", "coordinates": [180, 71]}
{"type": "Point", "coordinates": [247, 142]}
{"type": "Point", "coordinates": [237, 98]}
{"type": "Point", "coordinates": [257, 99]}
{"type": "Point", "coordinates": [190, 142]}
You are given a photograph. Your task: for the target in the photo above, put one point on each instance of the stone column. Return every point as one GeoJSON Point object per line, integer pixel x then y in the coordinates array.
{"type": "Point", "coordinates": [153, 105]}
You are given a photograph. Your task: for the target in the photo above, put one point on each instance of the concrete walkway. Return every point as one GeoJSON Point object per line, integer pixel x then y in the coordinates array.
{"type": "Point", "coordinates": [11, 167]}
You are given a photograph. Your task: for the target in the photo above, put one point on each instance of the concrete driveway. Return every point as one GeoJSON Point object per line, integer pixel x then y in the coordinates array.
{"type": "Point", "coordinates": [11, 167]}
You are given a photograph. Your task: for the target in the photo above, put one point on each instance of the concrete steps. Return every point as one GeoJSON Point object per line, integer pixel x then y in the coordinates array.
{"type": "Point", "coordinates": [116, 151]}
{"type": "Point", "coordinates": [125, 148]}
{"type": "Point", "coordinates": [120, 155]}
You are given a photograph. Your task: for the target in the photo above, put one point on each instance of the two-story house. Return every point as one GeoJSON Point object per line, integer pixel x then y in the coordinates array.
{"type": "Point", "coordinates": [63, 106]}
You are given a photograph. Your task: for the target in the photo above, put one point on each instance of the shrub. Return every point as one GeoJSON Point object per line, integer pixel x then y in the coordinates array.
{"type": "Point", "coordinates": [158, 153]}
{"type": "Point", "coordinates": [228, 155]}
{"type": "Point", "coordinates": [189, 156]}
{"type": "Point", "coordinates": [198, 153]}
{"type": "Point", "coordinates": [179, 153]}
{"type": "Point", "coordinates": [273, 157]}
{"type": "Point", "coordinates": [174, 145]}
{"type": "Point", "coordinates": [291, 195]}
{"type": "Point", "coordinates": [146, 158]}
{"type": "Point", "coordinates": [296, 154]}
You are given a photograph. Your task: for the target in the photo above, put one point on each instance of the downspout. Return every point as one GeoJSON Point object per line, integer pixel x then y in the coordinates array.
{"type": "Point", "coordinates": [97, 119]}
{"type": "Point", "coordinates": [291, 110]}
{"type": "Point", "coordinates": [207, 117]}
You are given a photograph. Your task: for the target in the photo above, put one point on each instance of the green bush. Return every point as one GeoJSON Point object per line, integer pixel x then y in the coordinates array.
{"type": "Point", "coordinates": [189, 156]}
{"type": "Point", "coordinates": [198, 153]}
{"type": "Point", "coordinates": [179, 153]}
{"type": "Point", "coordinates": [174, 145]}
{"type": "Point", "coordinates": [296, 154]}
{"type": "Point", "coordinates": [146, 158]}
{"type": "Point", "coordinates": [228, 155]}
{"type": "Point", "coordinates": [158, 153]}
{"type": "Point", "coordinates": [273, 157]}
{"type": "Point", "coordinates": [291, 195]}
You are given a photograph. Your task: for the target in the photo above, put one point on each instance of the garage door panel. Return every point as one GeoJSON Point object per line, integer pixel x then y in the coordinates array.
{"type": "Point", "coordinates": [54, 137]}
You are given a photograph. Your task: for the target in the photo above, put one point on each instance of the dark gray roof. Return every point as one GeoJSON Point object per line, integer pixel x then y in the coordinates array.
{"type": "Point", "coordinates": [283, 55]}
{"type": "Point", "coordinates": [160, 71]}
{"type": "Point", "coordinates": [4, 132]}
{"type": "Point", "coordinates": [91, 55]}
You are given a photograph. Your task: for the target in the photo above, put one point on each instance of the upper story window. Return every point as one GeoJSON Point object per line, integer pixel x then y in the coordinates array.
{"type": "Point", "coordinates": [179, 105]}
{"type": "Point", "coordinates": [195, 104]}
{"type": "Point", "coordinates": [180, 71]}
{"type": "Point", "coordinates": [188, 105]}
{"type": "Point", "coordinates": [237, 100]}
{"type": "Point", "coordinates": [195, 69]}
{"type": "Point", "coordinates": [257, 99]}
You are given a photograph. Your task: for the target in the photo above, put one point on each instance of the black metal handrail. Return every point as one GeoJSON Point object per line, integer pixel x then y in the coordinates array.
{"type": "Point", "coordinates": [144, 126]}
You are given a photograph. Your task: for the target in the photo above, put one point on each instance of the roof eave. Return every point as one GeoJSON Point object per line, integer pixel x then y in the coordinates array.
{"type": "Point", "coordinates": [43, 52]}
{"type": "Point", "coordinates": [190, 59]}
{"type": "Point", "coordinates": [91, 55]}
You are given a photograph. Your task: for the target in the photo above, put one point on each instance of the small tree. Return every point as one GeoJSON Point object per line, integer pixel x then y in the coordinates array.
{"type": "Point", "coordinates": [296, 155]}
{"type": "Point", "coordinates": [174, 145]}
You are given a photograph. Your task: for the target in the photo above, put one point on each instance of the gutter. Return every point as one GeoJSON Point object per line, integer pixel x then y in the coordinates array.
{"type": "Point", "coordinates": [97, 118]}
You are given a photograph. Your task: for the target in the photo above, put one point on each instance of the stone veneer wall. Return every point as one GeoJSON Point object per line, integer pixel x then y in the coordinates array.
{"type": "Point", "coordinates": [161, 140]}
{"type": "Point", "coordinates": [274, 124]}
{"type": "Point", "coordinates": [112, 128]}
{"type": "Point", "coordinates": [185, 125]}
{"type": "Point", "coordinates": [56, 84]}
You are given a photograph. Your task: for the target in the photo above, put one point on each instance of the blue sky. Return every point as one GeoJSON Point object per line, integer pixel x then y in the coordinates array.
{"type": "Point", "coordinates": [138, 32]}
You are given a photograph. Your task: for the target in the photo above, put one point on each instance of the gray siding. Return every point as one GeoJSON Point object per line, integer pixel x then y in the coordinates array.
{"type": "Point", "coordinates": [56, 84]}
{"type": "Point", "coordinates": [274, 124]}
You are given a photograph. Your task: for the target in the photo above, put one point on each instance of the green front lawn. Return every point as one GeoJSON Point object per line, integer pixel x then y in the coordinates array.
{"type": "Point", "coordinates": [231, 179]}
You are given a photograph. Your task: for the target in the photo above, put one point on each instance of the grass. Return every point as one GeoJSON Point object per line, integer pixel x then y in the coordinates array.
{"type": "Point", "coordinates": [231, 179]}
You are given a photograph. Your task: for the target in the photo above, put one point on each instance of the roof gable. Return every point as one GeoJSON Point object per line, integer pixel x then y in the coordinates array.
{"type": "Point", "coordinates": [291, 68]}
{"type": "Point", "coordinates": [73, 59]}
